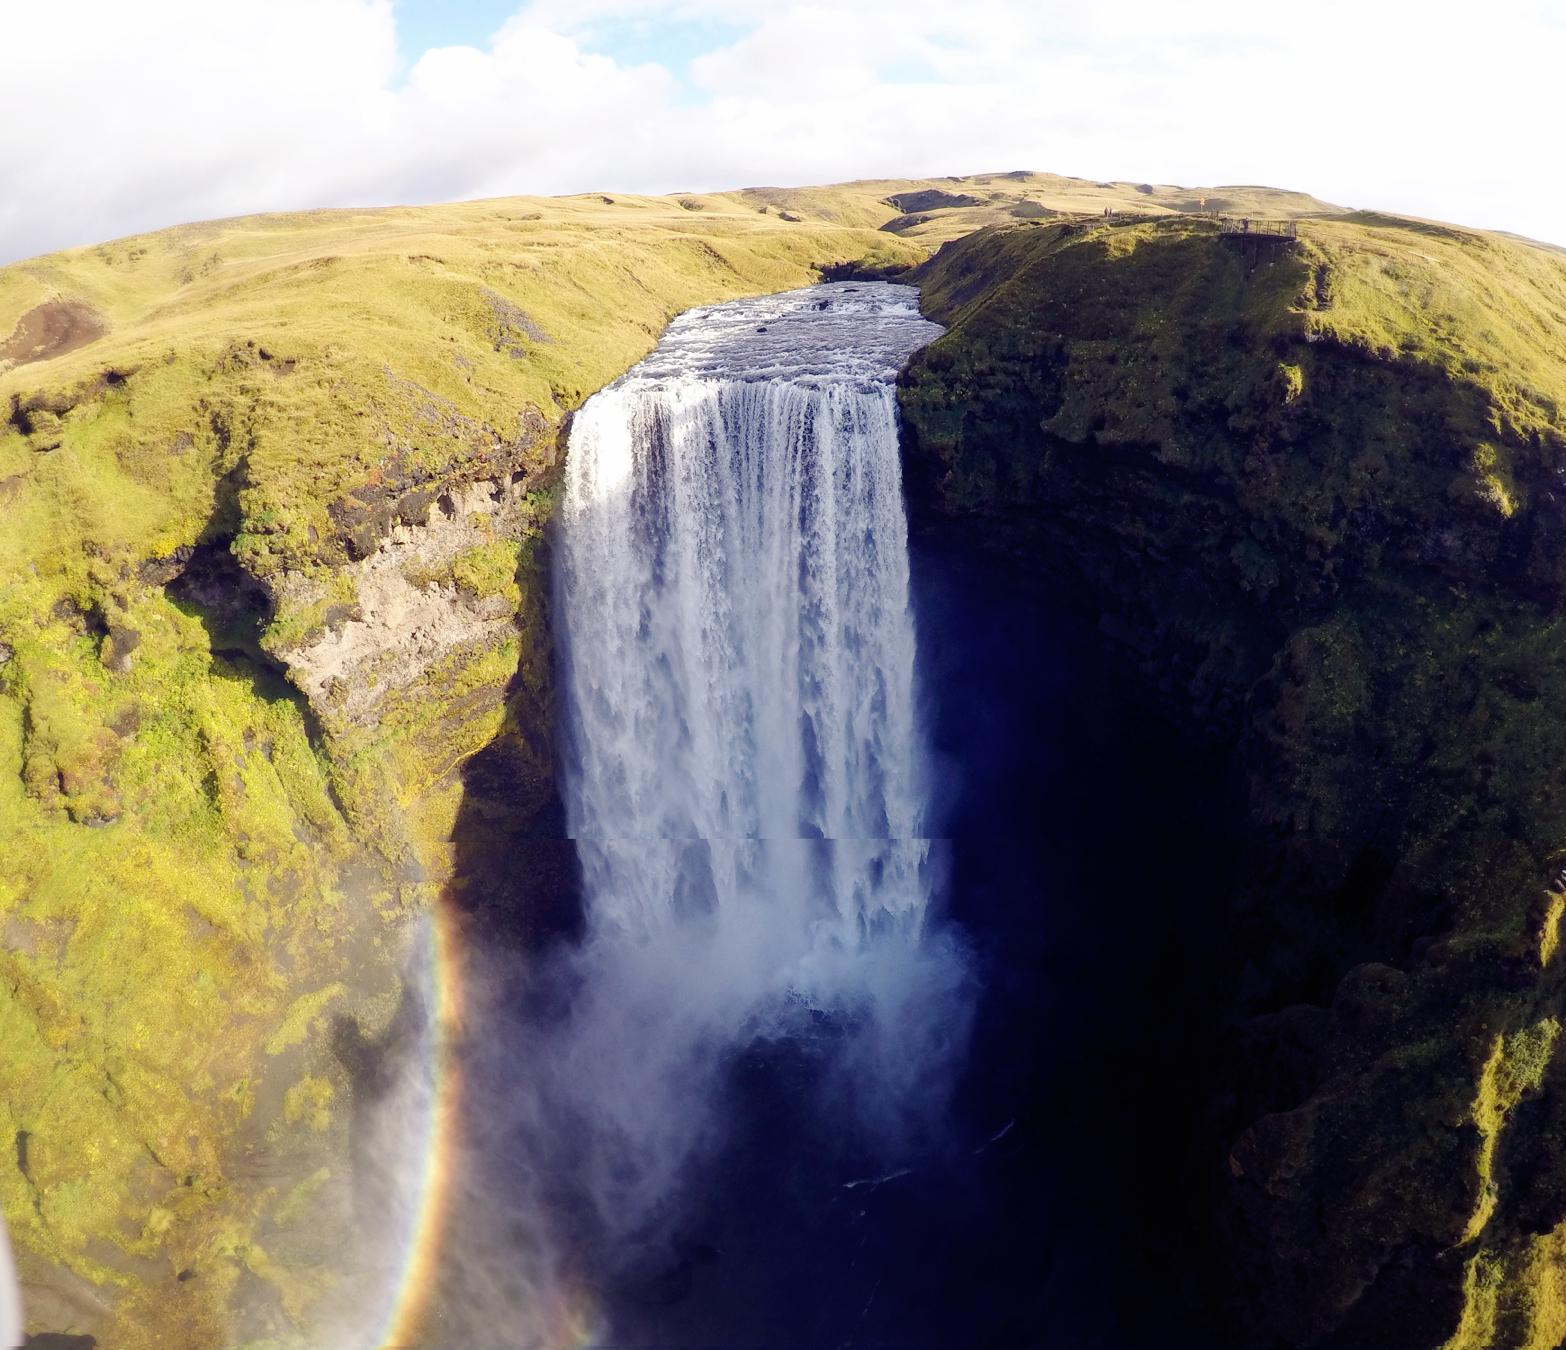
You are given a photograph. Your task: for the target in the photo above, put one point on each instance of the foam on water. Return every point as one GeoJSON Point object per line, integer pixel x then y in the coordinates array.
{"type": "Point", "coordinates": [746, 767]}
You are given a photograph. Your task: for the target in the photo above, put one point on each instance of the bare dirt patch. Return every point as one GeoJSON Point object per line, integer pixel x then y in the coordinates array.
{"type": "Point", "coordinates": [52, 329]}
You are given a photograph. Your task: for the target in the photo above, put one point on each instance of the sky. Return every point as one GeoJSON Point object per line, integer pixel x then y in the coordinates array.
{"type": "Point", "coordinates": [119, 116]}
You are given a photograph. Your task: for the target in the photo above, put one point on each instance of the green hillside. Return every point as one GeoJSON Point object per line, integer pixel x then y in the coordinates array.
{"type": "Point", "coordinates": [232, 775]}
{"type": "Point", "coordinates": [1314, 491]}
{"type": "Point", "coordinates": [275, 662]}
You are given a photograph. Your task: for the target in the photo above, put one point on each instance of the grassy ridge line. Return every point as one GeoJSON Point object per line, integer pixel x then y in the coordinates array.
{"type": "Point", "coordinates": [344, 299]}
{"type": "Point", "coordinates": [184, 904]}
{"type": "Point", "coordinates": [1481, 310]}
{"type": "Point", "coordinates": [1472, 302]}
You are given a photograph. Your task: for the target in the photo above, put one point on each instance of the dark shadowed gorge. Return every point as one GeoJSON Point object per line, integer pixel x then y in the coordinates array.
{"type": "Point", "coordinates": [1309, 502]}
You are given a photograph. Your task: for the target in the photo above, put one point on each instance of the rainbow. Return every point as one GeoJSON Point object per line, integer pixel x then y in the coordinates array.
{"type": "Point", "coordinates": [416, 1281]}
{"type": "Point", "coordinates": [574, 1324]}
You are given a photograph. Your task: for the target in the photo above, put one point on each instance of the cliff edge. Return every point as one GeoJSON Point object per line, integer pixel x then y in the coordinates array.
{"type": "Point", "coordinates": [275, 684]}
{"type": "Point", "coordinates": [1313, 490]}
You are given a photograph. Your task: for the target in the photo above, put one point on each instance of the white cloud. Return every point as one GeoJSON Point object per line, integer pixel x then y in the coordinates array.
{"type": "Point", "coordinates": [116, 118]}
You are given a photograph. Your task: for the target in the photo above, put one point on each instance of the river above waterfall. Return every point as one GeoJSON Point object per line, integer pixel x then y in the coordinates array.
{"type": "Point", "coordinates": [840, 332]}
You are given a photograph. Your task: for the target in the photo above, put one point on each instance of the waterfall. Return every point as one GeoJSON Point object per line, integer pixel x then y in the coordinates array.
{"type": "Point", "coordinates": [745, 768]}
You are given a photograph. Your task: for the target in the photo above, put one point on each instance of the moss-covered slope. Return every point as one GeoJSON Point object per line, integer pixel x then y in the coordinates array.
{"type": "Point", "coordinates": [272, 491]}
{"type": "Point", "coordinates": [1314, 490]}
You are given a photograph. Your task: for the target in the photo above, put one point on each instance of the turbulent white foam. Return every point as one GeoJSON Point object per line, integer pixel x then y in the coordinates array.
{"type": "Point", "coordinates": [735, 578]}
{"type": "Point", "coordinates": [747, 770]}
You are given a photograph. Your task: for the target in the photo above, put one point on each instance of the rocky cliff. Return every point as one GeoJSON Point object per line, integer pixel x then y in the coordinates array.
{"type": "Point", "coordinates": [274, 682]}
{"type": "Point", "coordinates": [1313, 491]}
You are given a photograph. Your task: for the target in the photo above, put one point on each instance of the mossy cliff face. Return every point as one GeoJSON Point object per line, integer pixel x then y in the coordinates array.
{"type": "Point", "coordinates": [1315, 492]}
{"type": "Point", "coordinates": [274, 675]}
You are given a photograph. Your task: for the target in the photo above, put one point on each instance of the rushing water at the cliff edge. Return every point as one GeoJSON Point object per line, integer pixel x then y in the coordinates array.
{"type": "Point", "coordinates": [746, 787]}
{"type": "Point", "coordinates": [747, 773]}
{"type": "Point", "coordinates": [792, 1071]}
{"type": "Point", "coordinates": [745, 778]}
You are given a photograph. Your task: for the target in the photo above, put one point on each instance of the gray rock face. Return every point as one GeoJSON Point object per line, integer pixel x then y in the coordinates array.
{"type": "Point", "coordinates": [408, 610]}
{"type": "Point", "coordinates": [932, 199]}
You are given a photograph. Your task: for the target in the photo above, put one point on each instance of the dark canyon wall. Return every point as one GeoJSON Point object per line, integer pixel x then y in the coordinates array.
{"type": "Point", "coordinates": [1313, 493]}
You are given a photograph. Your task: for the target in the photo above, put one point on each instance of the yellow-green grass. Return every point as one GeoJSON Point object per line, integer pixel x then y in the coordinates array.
{"type": "Point", "coordinates": [1482, 310]}
{"type": "Point", "coordinates": [180, 894]}
{"type": "Point", "coordinates": [1003, 198]}
{"type": "Point", "coordinates": [148, 956]}
{"type": "Point", "coordinates": [370, 315]}
{"type": "Point", "coordinates": [1315, 485]}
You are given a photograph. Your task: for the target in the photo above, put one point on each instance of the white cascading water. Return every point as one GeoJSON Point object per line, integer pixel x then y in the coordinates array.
{"type": "Point", "coordinates": [746, 764]}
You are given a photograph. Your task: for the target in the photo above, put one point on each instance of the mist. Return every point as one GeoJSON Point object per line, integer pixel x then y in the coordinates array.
{"type": "Point", "coordinates": [746, 779]}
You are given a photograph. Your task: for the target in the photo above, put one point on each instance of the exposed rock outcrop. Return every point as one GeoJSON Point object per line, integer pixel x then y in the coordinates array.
{"type": "Point", "coordinates": [431, 590]}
